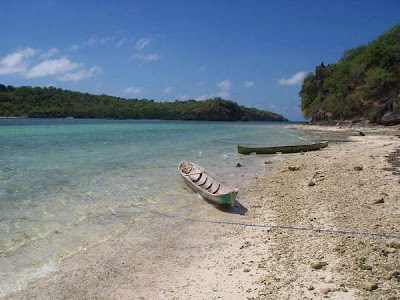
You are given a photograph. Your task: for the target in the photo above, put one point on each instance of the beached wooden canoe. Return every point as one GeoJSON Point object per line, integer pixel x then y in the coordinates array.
{"type": "Point", "coordinates": [208, 185]}
{"type": "Point", "coordinates": [283, 149]}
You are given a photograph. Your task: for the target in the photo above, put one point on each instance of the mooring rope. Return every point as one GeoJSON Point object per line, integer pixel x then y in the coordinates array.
{"type": "Point", "coordinates": [285, 227]}
{"type": "Point", "coordinates": [272, 226]}
{"type": "Point", "coordinates": [150, 168]}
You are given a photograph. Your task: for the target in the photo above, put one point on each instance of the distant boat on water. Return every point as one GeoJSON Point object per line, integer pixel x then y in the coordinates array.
{"type": "Point", "coordinates": [208, 185]}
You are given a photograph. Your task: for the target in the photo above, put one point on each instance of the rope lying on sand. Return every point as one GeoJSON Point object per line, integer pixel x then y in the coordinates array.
{"type": "Point", "coordinates": [287, 227]}
{"type": "Point", "coordinates": [281, 227]}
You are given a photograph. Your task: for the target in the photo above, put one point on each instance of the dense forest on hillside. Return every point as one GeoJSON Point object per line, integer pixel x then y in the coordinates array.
{"type": "Point", "coordinates": [36, 102]}
{"type": "Point", "coordinates": [364, 84]}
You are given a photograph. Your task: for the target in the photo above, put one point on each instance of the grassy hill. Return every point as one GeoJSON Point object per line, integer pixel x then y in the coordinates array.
{"type": "Point", "coordinates": [364, 84]}
{"type": "Point", "coordinates": [36, 102]}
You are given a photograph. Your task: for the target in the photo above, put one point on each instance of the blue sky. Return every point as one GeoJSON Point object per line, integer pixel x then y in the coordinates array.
{"type": "Point", "coordinates": [253, 52]}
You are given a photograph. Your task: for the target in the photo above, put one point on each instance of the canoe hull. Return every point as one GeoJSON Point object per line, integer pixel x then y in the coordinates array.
{"type": "Point", "coordinates": [224, 199]}
{"type": "Point", "coordinates": [283, 149]}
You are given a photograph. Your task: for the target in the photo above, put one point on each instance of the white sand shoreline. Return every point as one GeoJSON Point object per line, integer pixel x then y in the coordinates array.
{"type": "Point", "coordinates": [265, 263]}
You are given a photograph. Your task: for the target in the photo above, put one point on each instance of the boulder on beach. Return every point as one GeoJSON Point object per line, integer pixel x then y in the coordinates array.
{"type": "Point", "coordinates": [293, 168]}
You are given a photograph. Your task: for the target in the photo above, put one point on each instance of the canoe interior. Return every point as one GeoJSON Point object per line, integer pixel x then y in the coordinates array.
{"type": "Point", "coordinates": [283, 149]}
{"type": "Point", "coordinates": [207, 184]}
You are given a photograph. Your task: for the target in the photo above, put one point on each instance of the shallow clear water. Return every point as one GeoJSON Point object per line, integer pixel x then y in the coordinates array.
{"type": "Point", "coordinates": [66, 184]}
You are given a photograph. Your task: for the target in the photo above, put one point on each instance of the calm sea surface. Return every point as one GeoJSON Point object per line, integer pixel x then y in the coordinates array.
{"type": "Point", "coordinates": [66, 184]}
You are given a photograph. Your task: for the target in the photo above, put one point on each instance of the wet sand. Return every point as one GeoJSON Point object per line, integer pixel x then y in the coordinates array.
{"type": "Point", "coordinates": [349, 189]}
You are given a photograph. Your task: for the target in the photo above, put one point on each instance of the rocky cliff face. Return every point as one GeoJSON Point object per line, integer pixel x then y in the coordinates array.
{"type": "Point", "coordinates": [364, 84]}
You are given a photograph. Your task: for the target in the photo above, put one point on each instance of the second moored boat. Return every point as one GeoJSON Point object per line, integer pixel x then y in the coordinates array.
{"type": "Point", "coordinates": [282, 149]}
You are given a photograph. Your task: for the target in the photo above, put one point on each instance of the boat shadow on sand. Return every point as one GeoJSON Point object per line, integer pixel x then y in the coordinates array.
{"type": "Point", "coordinates": [237, 209]}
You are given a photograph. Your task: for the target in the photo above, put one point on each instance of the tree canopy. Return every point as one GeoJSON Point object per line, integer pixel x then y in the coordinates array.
{"type": "Point", "coordinates": [46, 102]}
{"type": "Point", "coordinates": [365, 83]}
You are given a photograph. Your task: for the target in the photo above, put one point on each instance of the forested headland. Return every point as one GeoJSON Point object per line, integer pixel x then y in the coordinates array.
{"type": "Point", "coordinates": [364, 84]}
{"type": "Point", "coordinates": [51, 102]}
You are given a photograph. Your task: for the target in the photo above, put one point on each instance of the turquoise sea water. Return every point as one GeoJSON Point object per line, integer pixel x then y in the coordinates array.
{"type": "Point", "coordinates": [66, 184]}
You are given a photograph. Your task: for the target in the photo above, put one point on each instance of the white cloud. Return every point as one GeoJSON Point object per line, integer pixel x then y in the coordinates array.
{"type": "Point", "coordinates": [295, 79]}
{"type": "Point", "coordinates": [52, 67]}
{"type": "Point", "coordinates": [50, 53]}
{"type": "Point", "coordinates": [182, 97]}
{"type": "Point", "coordinates": [95, 40]}
{"type": "Point", "coordinates": [79, 75]}
{"type": "Point", "coordinates": [142, 43]}
{"type": "Point", "coordinates": [204, 97]}
{"type": "Point", "coordinates": [16, 62]}
{"type": "Point", "coordinates": [248, 83]}
{"type": "Point", "coordinates": [167, 90]}
{"type": "Point", "coordinates": [223, 94]}
{"type": "Point", "coordinates": [74, 48]}
{"type": "Point", "coordinates": [30, 64]}
{"type": "Point", "coordinates": [146, 57]}
{"type": "Point", "coordinates": [133, 90]}
{"type": "Point", "coordinates": [201, 83]}
{"type": "Point", "coordinates": [121, 42]}
{"type": "Point", "coordinates": [224, 85]}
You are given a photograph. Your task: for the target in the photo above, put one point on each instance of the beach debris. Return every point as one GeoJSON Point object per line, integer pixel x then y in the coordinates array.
{"type": "Point", "coordinates": [293, 168]}
{"type": "Point", "coordinates": [326, 290]}
{"type": "Point", "coordinates": [246, 244]}
{"type": "Point", "coordinates": [365, 267]}
{"type": "Point", "coordinates": [369, 286]}
{"type": "Point", "coordinates": [381, 200]}
{"type": "Point", "coordinates": [246, 270]}
{"type": "Point", "coordinates": [388, 276]}
{"type": "Point", "coordinates": [394, 274]}
{"type": "Point", "coordinates": [318, 265]}
{"type": "Point", "coordinates": [392, 298]}
{"type": "Point", "coordinates": [268, 162]}
{"type": "Point", "coordinates": [361, 133]}
{"type": "Point", "coordinates": [362, 259]}
{"type": "Point", "coordinates": [238, 165]}
{"type": "Point", "coordinates": [394, 244]}
{"type": "Point", "coordinates": [358, 168]}
{"type": "Point", "coordinates": [311, 183]}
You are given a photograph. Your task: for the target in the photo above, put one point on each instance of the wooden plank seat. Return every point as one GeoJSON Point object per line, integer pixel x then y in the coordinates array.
{"type": "Point", "coordinates": [208, 187]}
{"type": "Point", "coordinates": [217, 189]}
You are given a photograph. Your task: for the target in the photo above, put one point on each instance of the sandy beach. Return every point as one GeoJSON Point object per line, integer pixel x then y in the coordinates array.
{"type": "Point", "coordinates": [349, 189]}
{"type": "Point", "coordinates": [330, 229]}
